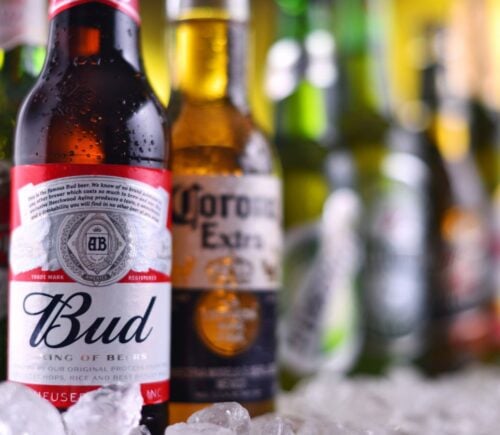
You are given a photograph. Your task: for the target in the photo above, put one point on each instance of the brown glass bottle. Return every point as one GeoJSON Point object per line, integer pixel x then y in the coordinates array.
{"type": "Point", "coordinates": [460, 294]}
{"type": "Point", "coordinates": [93, 115]}
{"type": "Point", "coordinates": [226, 245]}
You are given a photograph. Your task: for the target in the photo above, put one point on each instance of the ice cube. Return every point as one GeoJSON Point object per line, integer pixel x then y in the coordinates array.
{"type": "Point", "coordinates": [230, 415]}
{"type": "Point", "coordinates": [111, 410]}
{"type": "Point", "coordinates": [271, 424]}
{"type": "Point", "coordinates": [22, 411]}
{"type": "Point", "coordinates": [198, 429]}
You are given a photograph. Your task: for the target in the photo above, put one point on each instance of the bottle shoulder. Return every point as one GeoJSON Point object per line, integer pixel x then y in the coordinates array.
{"type": "Point", "coordinates": [92, 113]}
{"type": "Point", "coordinates": [218, 138]}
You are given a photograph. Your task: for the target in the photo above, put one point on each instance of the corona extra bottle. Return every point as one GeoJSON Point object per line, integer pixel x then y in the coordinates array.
{"type": "Point", "coordinates": [90, 253]}
{"type": "Point", "coordinates": [227, 218]}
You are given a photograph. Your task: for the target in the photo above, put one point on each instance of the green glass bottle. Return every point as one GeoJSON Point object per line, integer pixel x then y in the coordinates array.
{"type": "Point", "coordinates": [320, 326]}
{"type": "Point", "coordinates": [300, 115]}
{"type": "Point", "coordinates": [22, 52]}
{"type": "Point", "coordinates": [362, 129]}
{"type": "Point", "coordinates": [362, 125]}
{"type": "Point", "coordinates": [317, 304]}
{"type": "Point", "coordinates": [394, 283]}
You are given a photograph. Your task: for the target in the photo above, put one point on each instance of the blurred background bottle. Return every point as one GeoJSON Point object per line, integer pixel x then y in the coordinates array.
{"type": "Point", "coordinates": [321, 214]}
{"type": "Point", "coordinates": [395, 275]}
{"type": "Point", "coordinates": [461, 294]}
{"type": "Point", "coordinates": [471, 22]}
{"type": "Point", "coordinates": [22, 53]}
{"type": "Point", "coordinates": [362, 128]}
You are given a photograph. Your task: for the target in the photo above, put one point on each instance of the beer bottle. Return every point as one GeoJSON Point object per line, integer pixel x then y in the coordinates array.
{"type": "Point", "coordinates": [22, 50]}
{"type": "Point", "coordinates": [473, 69]}
{"type": "Point", "coordinates": [395, 274]}
{"type": "Point", "coordinates": [316, 304]}
{"type": "Point", "coordinates": [90, 251]}
{"type": "Point", "coordinates": [226, 218]}
{"type": "Point", "coordinates": [460, 296]}
{"type": "Point", "coordinates": [319, 328]}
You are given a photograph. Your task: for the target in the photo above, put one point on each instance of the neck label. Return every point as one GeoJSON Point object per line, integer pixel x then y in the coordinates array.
{"type": "Point", "coordinates": [129, 7]}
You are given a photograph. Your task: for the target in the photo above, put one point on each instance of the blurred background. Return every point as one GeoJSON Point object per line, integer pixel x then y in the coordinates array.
{"type": "Point", "coordinates": [385, 118]}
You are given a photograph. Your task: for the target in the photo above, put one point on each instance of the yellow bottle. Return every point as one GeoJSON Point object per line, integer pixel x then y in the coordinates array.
{"type": "Point", "coordinates": [226, 218]}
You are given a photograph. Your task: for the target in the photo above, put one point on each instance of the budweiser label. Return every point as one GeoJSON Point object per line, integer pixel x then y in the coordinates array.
{"type": "Point", "coordinates": [90, 263]}
{"type": "Point", "coordinates": [228, 242]}
{"type": "Point", "coordinates": [129, 7]}
{"type": "Point", "coordinates": [227, 232]}
{"type": "Point", "coordinates": [22, 22]}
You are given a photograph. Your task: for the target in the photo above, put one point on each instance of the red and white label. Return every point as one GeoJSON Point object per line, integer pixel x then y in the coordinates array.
{"type": "Point", "coordinates": [130, 7]}
{"type": "Point", "coordinates": [90, 264]}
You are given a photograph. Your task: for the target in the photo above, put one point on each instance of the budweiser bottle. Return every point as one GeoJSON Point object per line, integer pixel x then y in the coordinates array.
{"type": "Point", "coordinates": [90, 243]}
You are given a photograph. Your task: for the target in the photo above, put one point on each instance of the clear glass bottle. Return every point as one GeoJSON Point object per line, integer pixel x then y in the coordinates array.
{"type": "Point", "coordinates": [227, 218]}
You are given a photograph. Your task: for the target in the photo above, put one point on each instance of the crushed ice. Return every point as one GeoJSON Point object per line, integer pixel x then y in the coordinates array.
{"type": "Point", "coordinates": [22, 411]}
{"type": "Point", "coordinates": [401, 404]}
{"type": "Point", "coordinates": [113, 410]}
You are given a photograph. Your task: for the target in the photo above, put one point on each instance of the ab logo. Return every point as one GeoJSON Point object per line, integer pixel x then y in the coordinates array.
{"type": "Point", "coordinates": [95, 249]}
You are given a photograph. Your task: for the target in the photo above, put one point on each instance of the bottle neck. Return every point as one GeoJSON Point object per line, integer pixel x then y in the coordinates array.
{"type": "Point", "coordinates": [209, 56]}
{"type": "Point", "coordinates": [353, 39]}
{"type": "Point", "coordinates": [93, 32]}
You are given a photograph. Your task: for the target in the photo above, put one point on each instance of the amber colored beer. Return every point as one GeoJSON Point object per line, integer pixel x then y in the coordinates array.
{"type": "Point", "coordinates": [92, 133]}
{"type": "Point", "coordinates": [226, 219]}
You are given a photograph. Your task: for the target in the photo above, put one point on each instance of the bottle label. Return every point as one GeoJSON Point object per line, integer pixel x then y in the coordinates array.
{"type": "Point", "coordinates": [89, 293]}
{"type": "Point", "coordinates": [320, 325]}
{"type": "Point", "coordinates": [227, 251]}
{"type": "Point", "coordinates": [394, 286]}
{"type": "Point", "coordinates": [129, 7]}
{"type": "Point", "coordinates": [22, 22]}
